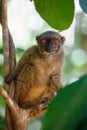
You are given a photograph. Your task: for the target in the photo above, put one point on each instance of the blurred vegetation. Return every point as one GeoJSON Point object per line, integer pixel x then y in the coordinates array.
{"type": "Point", "coordinates": [25, 24]}
{"type": "Point", "coordinates": [69, 107]}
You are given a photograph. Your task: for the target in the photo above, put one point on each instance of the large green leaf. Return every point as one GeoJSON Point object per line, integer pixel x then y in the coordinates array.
{"type": "Point", "coordinates": [57, 13]}
{"type": "Point", "coordinates": [83, 4]}
{"type": "Point", "coordinates": [2, 123]}
{"type": "Point", "coordinates": [68, 110]}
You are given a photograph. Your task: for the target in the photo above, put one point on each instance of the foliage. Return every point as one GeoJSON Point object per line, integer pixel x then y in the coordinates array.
{"type": "Point", "coordinates": [68, 110]}
{"type": "Point", "coordinates": [83, 4]}
{"type": "Point", "coordinates": [56, 12]}
{"type": "Point", "coordinates": [2, 123]}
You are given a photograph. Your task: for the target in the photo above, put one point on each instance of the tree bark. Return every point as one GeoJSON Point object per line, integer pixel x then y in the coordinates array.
{"type": "Point", "coordinates": [5, 38]}
{"type": "Point", "coordinates": [19, 116]}
{"type": "Point", "coordinates": [16, 118]}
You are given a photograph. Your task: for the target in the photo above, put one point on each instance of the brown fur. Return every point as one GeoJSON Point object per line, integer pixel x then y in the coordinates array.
{"type": "Point", "coordinates": [38, 77]}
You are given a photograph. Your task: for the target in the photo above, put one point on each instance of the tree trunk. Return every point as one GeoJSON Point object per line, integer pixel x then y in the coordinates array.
{"type": "Point", "coordinates": [16, 118]}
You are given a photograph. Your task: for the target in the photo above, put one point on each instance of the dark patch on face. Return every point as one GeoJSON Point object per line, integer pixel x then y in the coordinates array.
{"type": "Point", "coordinates": [50, 41]}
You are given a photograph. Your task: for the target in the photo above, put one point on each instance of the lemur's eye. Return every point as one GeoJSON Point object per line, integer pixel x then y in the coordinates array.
{"type": "Point", "coordinates": [43, 41]}
{"type": "Point", "coordinates": [55, 41]}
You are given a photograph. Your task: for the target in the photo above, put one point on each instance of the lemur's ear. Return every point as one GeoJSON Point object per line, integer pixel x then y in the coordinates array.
{"type": "Point", "coordinates": [37, 38]}
{"type": "Point", "coordinates": [63, 39]}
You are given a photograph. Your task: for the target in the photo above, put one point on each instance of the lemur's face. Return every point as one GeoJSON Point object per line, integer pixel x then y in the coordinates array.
{"type": "Point", "coordinates": [50, 41]}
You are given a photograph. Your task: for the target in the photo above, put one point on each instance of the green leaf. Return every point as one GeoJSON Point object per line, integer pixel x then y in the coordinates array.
{"type": "Point", "coordinates": [2, 101]}
{"type": "Point", "coordinates": [83, 4]}
{"type": "Point", "coordinates": [68, 110]}
{"type": "Point", "coordinates": [2, 123]}
{"type": "Point", "coordinates": [57, 13]}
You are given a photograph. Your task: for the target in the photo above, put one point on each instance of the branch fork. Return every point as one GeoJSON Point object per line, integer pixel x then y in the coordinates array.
{"type": "Point", "coordinates": [20, 117]}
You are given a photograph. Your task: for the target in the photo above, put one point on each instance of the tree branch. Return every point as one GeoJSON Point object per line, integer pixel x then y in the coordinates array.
{"type": "Point", "coordinates": [8, 100]}
{"type": "Point", "coordinates": [17, 118]}
{"type": "Point", "coordinates": [20, 116]}
{"type": "Point", "coordinates": [5, 38]}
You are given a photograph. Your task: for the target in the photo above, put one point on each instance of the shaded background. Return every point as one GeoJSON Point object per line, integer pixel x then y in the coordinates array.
{"type": "Point", "coordinates": [25, 23]}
